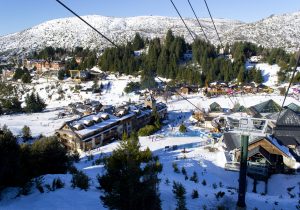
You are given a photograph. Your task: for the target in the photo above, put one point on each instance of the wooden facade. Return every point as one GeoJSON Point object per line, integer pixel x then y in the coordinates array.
{"type": "Point", "coordinates": [44, 65]}
{"type": "Point", "coordinates": [269, 155]}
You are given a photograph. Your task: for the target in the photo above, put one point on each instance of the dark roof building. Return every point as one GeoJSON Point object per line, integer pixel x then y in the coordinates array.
{"type": "Point", "coordinates": [215, 107]}
{"type": "Point", "coordinates": [264, 108]}
{"type": "Point", "coordinates": [268, 147]}
{"type": "Point", "coordinates": [294, 107]}
{"type": "Point", "coordinates": [233, 140]}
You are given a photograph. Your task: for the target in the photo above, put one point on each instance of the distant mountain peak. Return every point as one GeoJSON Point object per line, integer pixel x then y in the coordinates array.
{"type": "Point", "coordinates": [274, 31]}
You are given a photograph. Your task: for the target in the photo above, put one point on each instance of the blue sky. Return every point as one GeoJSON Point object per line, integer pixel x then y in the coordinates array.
{"type": "Point", "coordinates": [16, 15]}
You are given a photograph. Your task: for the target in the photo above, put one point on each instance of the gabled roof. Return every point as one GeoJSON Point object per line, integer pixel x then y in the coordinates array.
{"type": "Point", "coordinates": [253, 112]}
{"type": "Point", "coordinates": [239, 108]}
{"type": "Point", "coordinates": [282, 148]}
{"type": "Point", "coordinates": [288, 140]}
{"type": "Point", "coordinates": [269, 106]}
{"type": "Point", "coordinates": [215, 106]}
{"type": "Point", "coordinates": [263, 152]}
{"type": "Point", "coordinates": [233, 140]}
{"type": "Point", "coordinates": [288, 118]}
{"type": "Point", "coordinates": [294, 107]}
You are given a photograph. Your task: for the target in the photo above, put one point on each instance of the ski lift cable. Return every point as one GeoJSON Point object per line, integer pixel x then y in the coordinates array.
{"type": "Point", "coordinates": [198, 20]}
{"type": "Point", "coordinates": [213, 23]}
{"type": "Point", "coordinates": [290, 84]}
{"type": "Point", "coordinates": [74, 13]}
{"type": "Point", "coordinates": [183, 97]}
{"type": "Point", "coordinates": [66, 7]}
{"type": "Point", "coordinates": [182, 20]}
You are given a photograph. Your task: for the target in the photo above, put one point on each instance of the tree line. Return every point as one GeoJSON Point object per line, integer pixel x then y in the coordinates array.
{"type": "Point", "coordinates": [165, 58]}
{"type": "Point", "coordinates": [19, 163]}
{"type": "Point", "coordinates": [10, 103]}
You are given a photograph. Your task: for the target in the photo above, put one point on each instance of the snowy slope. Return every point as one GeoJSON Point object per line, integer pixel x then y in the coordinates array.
{"type": "Point", "coordinates": [71, 32]}
{"type": "Point", "coordinates": [208, 165]}
{"type": "Point", "coordinates": [269, 72]}
{"type": "Point", "coordinates": [274, 31]}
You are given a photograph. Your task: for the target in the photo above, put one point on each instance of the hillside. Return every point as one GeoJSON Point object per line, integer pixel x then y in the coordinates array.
{"type": "Point", "coordinates": [71, 32]}
{"type": "Point", "coordinates": [274, 31]}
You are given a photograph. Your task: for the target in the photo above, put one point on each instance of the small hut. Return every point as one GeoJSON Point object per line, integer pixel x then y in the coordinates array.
{"type": "Point", "coordinates": [215, 107]}
{"type": "Point", "coordinates": [264, 108]}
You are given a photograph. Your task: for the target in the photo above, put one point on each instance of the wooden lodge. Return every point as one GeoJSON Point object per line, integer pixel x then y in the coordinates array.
{"type": "Point", "coordinates": [44, 65]}
{"type": "Point", "coordinates": [279, 150]}
{"type": "Point", "coordinates": [266, 155]}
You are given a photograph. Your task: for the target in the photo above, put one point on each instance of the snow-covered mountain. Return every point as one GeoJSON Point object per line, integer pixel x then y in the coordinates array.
{"type": "Point", "coordinates": [275, 31]}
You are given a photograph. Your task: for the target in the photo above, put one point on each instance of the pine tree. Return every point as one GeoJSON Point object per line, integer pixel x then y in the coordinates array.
{"type": "Point", "coordinates": [179, 191]}
{"type": "Point", "coordinates": [61, 74]}
{"type": "Point", "coordinates": [127, 185]}
{"type": "Point", "coordinates": [26, 133]}
{"type": "Point", "coordinates": [138, 42]}
{"type": "Point", "coordinates": [34, 103]}
{"type": "Point", "coordinates": [40, 102]}
{"type": "Point", "coordinates": [182, 128]}
{"type": "Point", "coordinates": [26, 78]}
{"type": "Point", "coordinates": [147, 80]}
{"type": "Point", "coordinates": [195, 194]}
{"type": "Point", "coordinates": [258, 77]}
{"type": "Point", "coordinates": [241, 75]}
{"type": "Point", "coordinates": [9, 158]}
{"type": "Point", "coordinates": [169, 39]}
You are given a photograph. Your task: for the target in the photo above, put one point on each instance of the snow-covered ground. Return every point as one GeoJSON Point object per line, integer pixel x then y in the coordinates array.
{"type": "Point", "coordinates": [209, 166]}
{"type": "Point", "coordinates": [46, 122]}
{"type": "Point", "coordinates": [269, 72]}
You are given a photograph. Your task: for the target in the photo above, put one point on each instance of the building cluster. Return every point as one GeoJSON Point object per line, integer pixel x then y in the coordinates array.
{"type": "Point", "coordinates": [42, 65]}
{"type": "Point", "coordinates": [93, 130]}
{"type": "Point", "coordinates": [277, 150]}
{"type": "Point", "coordinates": [222, 88]}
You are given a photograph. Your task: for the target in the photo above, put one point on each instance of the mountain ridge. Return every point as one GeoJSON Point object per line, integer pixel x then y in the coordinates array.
{"type": "Point", "coordinates": [273, 31]}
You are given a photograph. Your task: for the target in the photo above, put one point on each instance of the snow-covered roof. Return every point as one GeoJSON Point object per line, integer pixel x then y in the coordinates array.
{"type": "Point", "coordinates": [281, 147]}
{"type": "Point", "coordinates": [106, 121]}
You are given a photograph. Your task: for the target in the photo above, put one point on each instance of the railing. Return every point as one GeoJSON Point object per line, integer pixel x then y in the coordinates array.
{"type": "Point", "coordinates": [232, 166]}
{"type": "Point", "coordinates": [253, 168]}
{"type": "Point", "coordinates": [258, 169]}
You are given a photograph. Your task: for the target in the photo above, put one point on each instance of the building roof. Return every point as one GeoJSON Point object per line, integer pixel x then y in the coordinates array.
{"type": "Point", "coordinates": [288, 140]}
{"type": "Point", "coordinates": [215, 107]}
{"type": "Point", "coordinates": [233, 140]}
{"type": "Point", "coordinates": [239, 108]}
{"type": "Point", "coordinates": [279, 146]}
{"type": "Point", "coordinates": [97, 126]}
{"type": "Point", "coordinates": [263, 152]}
{"type": "Point", "coordinates": [287, 118]}
{"type": "Point", "coordinates": [269, 106]}
{"type": "Point", "coordinates": [294, 107]}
